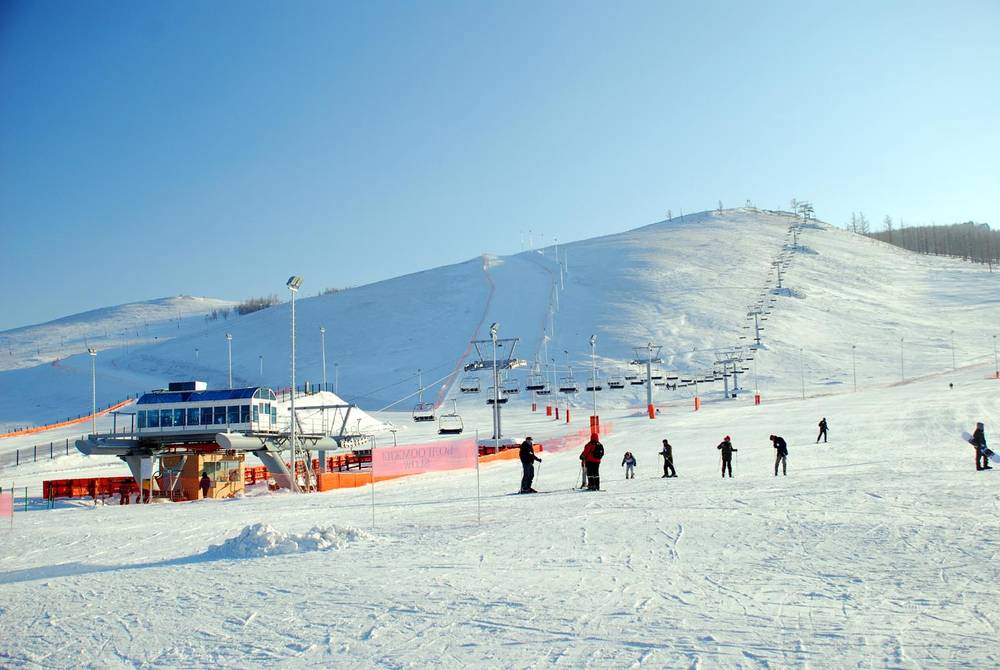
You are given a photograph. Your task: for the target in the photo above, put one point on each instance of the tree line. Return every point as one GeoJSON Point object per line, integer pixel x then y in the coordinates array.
{"type": "Point", "coordinates": [970, 241]}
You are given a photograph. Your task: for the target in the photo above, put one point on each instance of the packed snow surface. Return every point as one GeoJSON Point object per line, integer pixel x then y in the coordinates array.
{"type": "Point", "coordinates": [877, 550]}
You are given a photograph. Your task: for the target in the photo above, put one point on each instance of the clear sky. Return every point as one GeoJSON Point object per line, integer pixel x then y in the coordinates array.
{"type": "Point", "coordinates": [214, 148]}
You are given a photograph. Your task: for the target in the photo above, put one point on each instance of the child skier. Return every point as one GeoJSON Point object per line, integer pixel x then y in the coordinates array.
{"type": "Point", "coordinates": [629, 462]}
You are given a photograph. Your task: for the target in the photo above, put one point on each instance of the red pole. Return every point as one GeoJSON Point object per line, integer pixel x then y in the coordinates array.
{"type": "Point", "coordinates": [557, 413]}
{"type": "Point", "coordinates": [651, 411]}
{"type": "Point", "coordinates": [567, 415]}
{"type": "Point", "coordinates": [697, 403]}
{"type": "Point", "coordinates": [548, 410]}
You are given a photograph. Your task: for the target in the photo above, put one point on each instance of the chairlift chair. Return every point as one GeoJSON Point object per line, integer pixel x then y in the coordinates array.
{"type": "Point", "coordinates": [536, 382]}
{"type": "Point", "coordinates": [451, 423]}
{"type": "Point", "coordinates": [423, 411]}
{"type": "Point", "coordinates": [492, 393]}
{"type": "Point", "coordinates": [568, 385]}
{"type": "Point", "coordinates": [637, 381]}
{"type": "Point", "coordinates": [591, 386]}
{"type": "Point", "coordinates": [656, 374]}
{"type": "Point", "coordinates": [470, 384]}
{"type": "Point", "coordinates": [616, 382]}
{"type": "Point", "coordinates": [510, 386]}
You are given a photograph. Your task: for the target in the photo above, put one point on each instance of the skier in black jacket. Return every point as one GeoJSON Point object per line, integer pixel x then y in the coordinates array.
{"type": "Point", "coordinates": [782, 455]}
{"type": "Point", "coordinates": [727, 456]}
{"type": "Point", "coordinates": [822, 430]}
{"type": "Point", "coordinates": [528, 458]}
{"type": "Point", "coordinates": [979, 441]}
{"type": "Point", "coordinates": [668, 460]}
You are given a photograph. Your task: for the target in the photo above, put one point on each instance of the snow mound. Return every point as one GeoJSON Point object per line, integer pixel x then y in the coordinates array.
{"type": "Point", "coordinates": [260, 539]}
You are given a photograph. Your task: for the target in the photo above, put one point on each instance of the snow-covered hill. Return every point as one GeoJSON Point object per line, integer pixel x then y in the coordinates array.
{"type": "Point", "coordinates": [684, 284]}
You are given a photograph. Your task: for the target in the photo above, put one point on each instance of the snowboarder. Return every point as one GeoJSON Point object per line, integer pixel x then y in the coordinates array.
{"type": "Point", "coordinates": [727, 456]}
{"type": "Point", "coordinates": [528, 458]}
{"type": "Point", "coordinates": [629, 462]}
{"type": "Point", "coordinates": [822, 430]}
{"type": "Point", "coordinates": [592, 454]}
{"type": "Point", "coordinates": [979, 442]}
{"type": "Point", "coordinates": [205, 483]}
{"type": "Point", "coordinates": [668, 460]}
{"type": "Point", "coordinates": [781, 458]}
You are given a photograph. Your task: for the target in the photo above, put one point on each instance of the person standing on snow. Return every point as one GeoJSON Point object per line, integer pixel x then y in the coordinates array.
{"type": "Point", "coordinates": [727, 448]}
{"type": "Point", "coordinates": [629, 462]}
{"type": "Point", "coordinates": [781, 458]}
{"type": "Point", "coordinates": [822, 430]}
{"type": "Point", "coordinates": [668, 460]}
{"type": "Point", "coordinates": [205, 483]}
{"type": "Point", "coordinates": [979, 442]}
{"type": "Point", "coordinates": [592, 454]}
{"type": "Point", "coordinates": [528, 458]}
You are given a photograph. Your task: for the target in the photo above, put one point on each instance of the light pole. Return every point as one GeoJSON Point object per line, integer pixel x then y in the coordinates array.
{"type": "Point", "coordinates": [593, 385]}
{"type": "Point", "coordinates": [196, 357]}
{"type": "Point", "coordinates": [93, 389]}
{"type": "Point", "coordinates": [496, 388]}
{"type": "Point", "coordinates": [293, 285]}
{"type": "Point", "coordinates": [229, 345]}
{"type": "Point", "coordinates": [322, 339]}
{"type": "Point", "coordinates": [336, 378]}
{"type": "Point", "coordinates": [260, 359]}
{"type": "Point", "coordinates": [854, 365]}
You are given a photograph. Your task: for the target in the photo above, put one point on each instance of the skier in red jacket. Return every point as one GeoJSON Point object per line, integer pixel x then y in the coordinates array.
{"type": "Point", "coordinates": [592, 454]}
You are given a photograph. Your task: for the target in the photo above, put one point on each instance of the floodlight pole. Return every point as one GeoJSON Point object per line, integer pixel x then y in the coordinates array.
{"type": "Point", "coordinates": [293, 285]}
{"type": "Point", "coordinates": [93, 389]}
{"type": "Point", "coordinates": [593, 384]}
{"type": "Point", "coordinates": [229, 346]}
{"type": "Point", "coordinates": [496, 388]}
{"type": "Point", "coordinates": [562, 284]}
{"type": "Point", "coordinates": [322, 339]}
{"type": "Point", "coordinates": [260, 359]}
{"type": "Point", "coordinates": [548, 397]}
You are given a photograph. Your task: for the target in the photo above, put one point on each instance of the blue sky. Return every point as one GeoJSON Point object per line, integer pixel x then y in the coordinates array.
{"type": "Point", "coordinates": [214, 148]}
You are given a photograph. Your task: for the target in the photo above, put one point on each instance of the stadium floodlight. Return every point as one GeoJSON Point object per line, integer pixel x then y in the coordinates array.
{"type": "Point", "coordinates": [294, 282]}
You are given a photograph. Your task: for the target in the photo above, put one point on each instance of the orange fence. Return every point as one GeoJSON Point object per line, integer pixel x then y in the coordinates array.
{"type": "Point", "coordinates": [69, 422]}
{"type": "Point", "coordinates": [93, 487]}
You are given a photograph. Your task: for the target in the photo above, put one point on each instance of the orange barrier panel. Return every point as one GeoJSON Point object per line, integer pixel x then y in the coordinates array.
{"type": "Point", "coordinates": [63, 424]}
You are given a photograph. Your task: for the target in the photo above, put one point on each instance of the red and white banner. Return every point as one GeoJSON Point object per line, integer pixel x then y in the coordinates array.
{"type": "Point", "coordinates": [433, 457]}
{"type": "Point", "coordinates": [7, 504]}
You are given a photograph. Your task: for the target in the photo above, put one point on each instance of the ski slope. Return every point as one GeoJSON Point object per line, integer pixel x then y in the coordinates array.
{"type": "Point", "coordinates": [877, 550]}
{"type": "Point", "coordinates": [684, 284]}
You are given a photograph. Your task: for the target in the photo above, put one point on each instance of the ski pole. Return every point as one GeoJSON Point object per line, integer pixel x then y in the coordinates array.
{"type": "Point", "coordinates": [538, 472]}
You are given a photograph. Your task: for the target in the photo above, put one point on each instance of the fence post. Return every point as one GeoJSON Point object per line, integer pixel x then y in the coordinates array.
{"type": "Point", "coordinates": [67, 446]}
{"type": "Point", "coordinates": [17, 457]}
{"type": "Point", "coordinates": [51, 455]}
{"type": "Point", "coordinates": [34, 450]}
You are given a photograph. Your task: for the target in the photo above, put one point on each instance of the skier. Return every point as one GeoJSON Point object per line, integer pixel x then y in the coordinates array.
{"type": "Point", "coordinates": [629, 462]}
{"type": "Point", "coordinates": [782, 456]}
{"type": "Point", "coordinates": [979, 441]}
{"type": "Point", "coordinates": [668, 460]}
{"type": "Point", "coordinates": [727, 456]}
{"type": "Point", "coordinates": [822, 430]}
{"type": "Point", "coordinates": [592, 454]}
{"type": "Point", "coordinates": [528, 458]}
{"type": "Point", "coordinates": [205, 483]}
